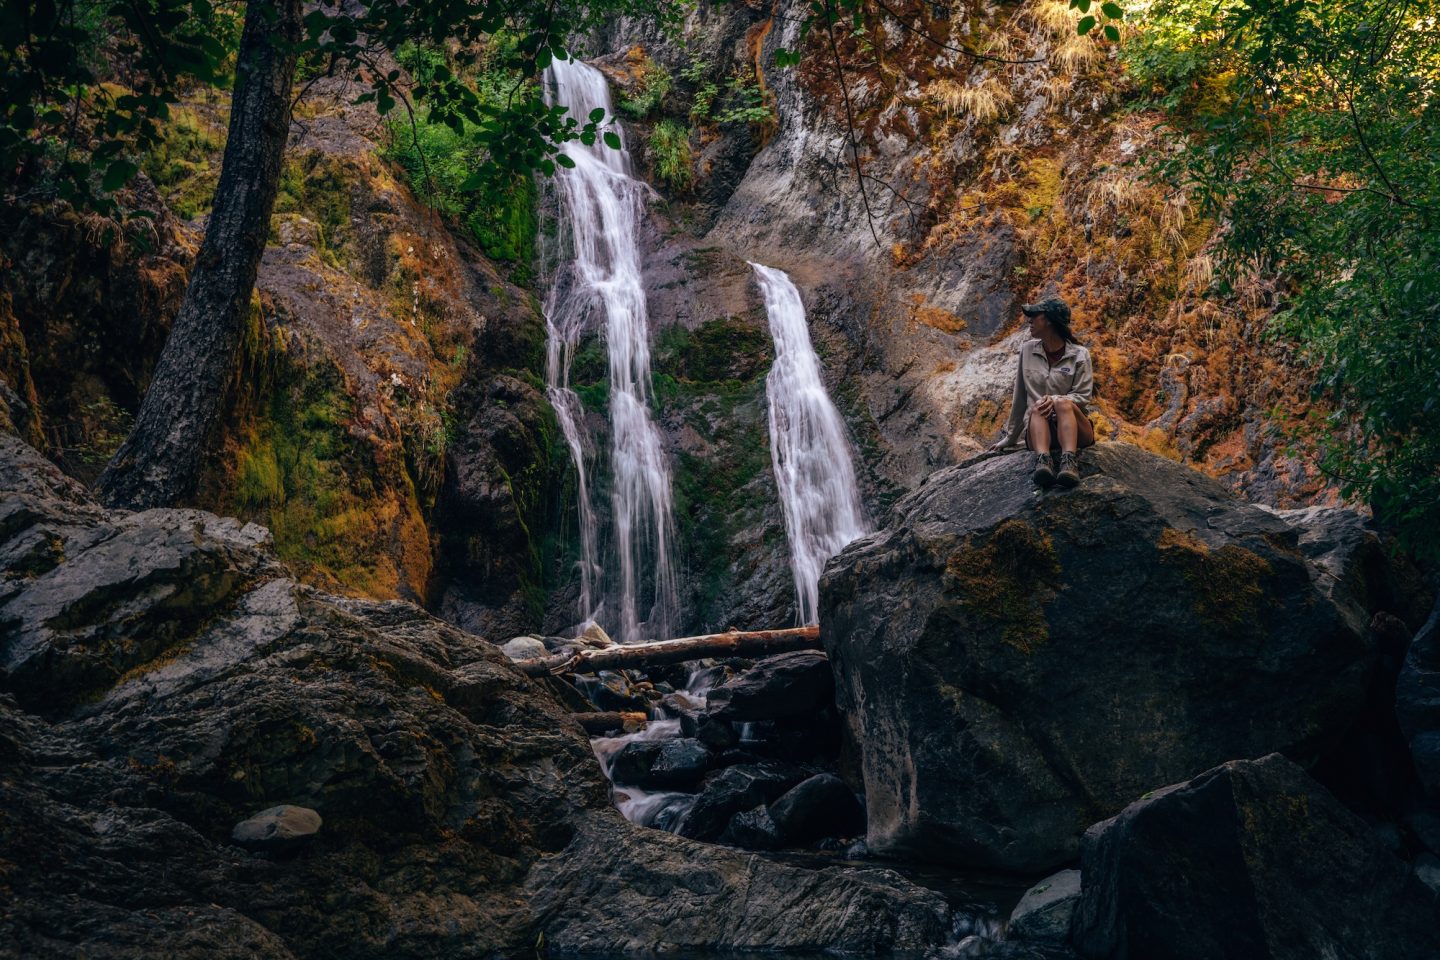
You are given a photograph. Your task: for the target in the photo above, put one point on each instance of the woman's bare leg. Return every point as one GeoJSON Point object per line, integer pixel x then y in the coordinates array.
{"type": "Point", "coordinates": [1039, 432]}
{"type": "Point", "coordinates": [1073, 428]}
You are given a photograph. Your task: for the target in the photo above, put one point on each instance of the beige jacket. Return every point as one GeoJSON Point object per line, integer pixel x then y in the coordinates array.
{"type": "Point", "coordinates": [1072, 378]}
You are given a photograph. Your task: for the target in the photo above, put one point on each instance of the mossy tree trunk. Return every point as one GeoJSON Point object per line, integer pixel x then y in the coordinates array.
{"type": "Point", "coordinates": [159, 463]}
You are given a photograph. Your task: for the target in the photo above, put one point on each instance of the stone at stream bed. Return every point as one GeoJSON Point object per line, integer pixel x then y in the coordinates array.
{"type": "Point", "coordinates": [708, 729]}
{"type": "Point", "coordinates": [1044, 912]}
{"type": "Point", "coordinates": [1251, 859]}
{"type": "Point", "coordinates": [466, 814]}
{"type": "Point", "coordinates": [822, 806]}
{"type": "Point", "coordinates": [788, 685]}
{"type": "Point", "coordinates": [279, 828]}
{"type": "Point", "coordinates": [1016, 665]}
{"type": "Point", "coordinates": [736, 789]}
{"type": "Point", "coordinates": [753, 830]}
{"type": "Point", "coordinates": [661, 764]}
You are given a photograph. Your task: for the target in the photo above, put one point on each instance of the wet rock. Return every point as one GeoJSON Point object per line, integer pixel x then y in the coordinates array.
{"type": "Point", "coordinates": [736, 789]}
{"type": "Point", "coordinates": [753, 830]}
{"type": "Point", "coordinates": [1272, 866]}
{"type": "Point", "coordinates": [612, 691]}
{"type": "Point", "coordinates": [661, 764]}
{"type": "Point", "coordinates": [1417, 703]}
{"type": "Point", "coordinates": [1014, 665]}
{"type": "Point", "coordinates": [1044, 912]}
{"type": "Point", "coordinates": [279, 828]}
{"type": "Point", "coordinates": [788, 685]}
{"type": "Point", "coordinates": [822, 806]}
{"type": "Point", "coordinates": [715, 733]}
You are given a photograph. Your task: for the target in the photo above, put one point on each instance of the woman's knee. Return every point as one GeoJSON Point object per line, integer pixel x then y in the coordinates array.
{"type": "Point", "coordinates": [1064, 405]}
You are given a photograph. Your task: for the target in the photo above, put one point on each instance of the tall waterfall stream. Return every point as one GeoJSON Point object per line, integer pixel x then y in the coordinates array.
{"type": "Point", "coordinates": [813, 465]}
{"type": "Point", "coordinates": [603, 205]}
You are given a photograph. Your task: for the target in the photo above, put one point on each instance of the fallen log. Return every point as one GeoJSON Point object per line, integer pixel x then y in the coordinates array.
{"type": "Point", "coordinates": [597, 723]}
{"type": "Point", "coordinates": [736, 643]}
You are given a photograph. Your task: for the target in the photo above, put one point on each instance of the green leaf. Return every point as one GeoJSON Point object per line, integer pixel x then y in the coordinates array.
{"type": "Point", "coordinates": [117, 174]}
{"type": "Point", "coordinates": [1085, 25]}
{"type": "Point", "coordinates": [612, 140]}
{"type": "Point", "coordinates": [1112, 10]}
{"type": "Point", "coordinates": [1084, 6]}
{"type": "Point", "coordinates": [565, 161]}
{"type": "Point", "coordinates": [597, 114]}
{"type": "Point", "coordinates": [1112, 33]}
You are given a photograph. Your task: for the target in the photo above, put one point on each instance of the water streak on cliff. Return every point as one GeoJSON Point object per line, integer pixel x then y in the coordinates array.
{"type": "Point", "coordinates": [814, 468]}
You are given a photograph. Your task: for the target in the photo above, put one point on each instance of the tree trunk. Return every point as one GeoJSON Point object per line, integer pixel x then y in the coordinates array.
{"type": "Point", "coordinates": [159, 463]}
{"type": "Point", "coordinates": [748, 643]}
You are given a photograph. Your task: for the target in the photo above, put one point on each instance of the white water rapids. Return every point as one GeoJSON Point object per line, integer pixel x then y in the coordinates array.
{"type": "Point", "coordinates": [602, 205]}
{"type": "Point", "coordinates": [808, 447]}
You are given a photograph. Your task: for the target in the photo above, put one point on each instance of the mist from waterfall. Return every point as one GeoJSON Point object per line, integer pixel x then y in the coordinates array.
{"type": "Point", "coordinates": [601, 207]}
{"type": "Point", "coordinates": [808, 447]}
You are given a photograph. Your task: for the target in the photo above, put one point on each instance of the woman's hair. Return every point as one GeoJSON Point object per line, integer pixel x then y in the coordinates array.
{"type": "Point", "coordinates": [1057, 312]}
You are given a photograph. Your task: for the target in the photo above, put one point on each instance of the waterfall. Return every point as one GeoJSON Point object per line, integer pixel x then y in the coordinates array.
{"type": "Point", "coordinates": [601, 206]}
{"type": "Point", "coordinates": [813, 469]}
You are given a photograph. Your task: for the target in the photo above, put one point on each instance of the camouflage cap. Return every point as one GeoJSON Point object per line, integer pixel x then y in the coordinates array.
{"type": "Point", "coordinates": [1052, 307]}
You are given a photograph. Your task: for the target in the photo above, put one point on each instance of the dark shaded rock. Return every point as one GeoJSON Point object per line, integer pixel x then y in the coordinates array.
{"type": "Point", "coordinates": [822, 806]}
{"type": "Point", "coordinates": [1417, 703]}
{"type": "Point", "coordinates": [1044, 912]}
{"type": "Point", "coordinates": [1015, 666]}
{"type": "Point", "coordinates": [788, 685]}
{"type": "Point", "coordinates": [736, 789]}
{"type": "Point", "coordinates": [278, 828]}
{"type": "Point", "coordinates": [465, 813]}
{"type": "Point", "coordinates": [1253, 859]}
{"type": "Point", "coordinates": [661, 764]}
{"type": "Point", "coordinates": [753, 830]}
{"type": "Point", "coordinates": [648, 891]}
{"type": "Point", "coordinates": [715, 733]}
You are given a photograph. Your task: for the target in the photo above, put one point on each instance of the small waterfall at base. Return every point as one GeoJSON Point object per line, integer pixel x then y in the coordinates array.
{"type": "Point", "coordinates": [601, 208]}
{"type": "Point", "coordinates": [808, 448]}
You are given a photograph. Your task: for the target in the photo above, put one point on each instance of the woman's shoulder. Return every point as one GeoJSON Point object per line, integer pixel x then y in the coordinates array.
{"type": "Point", "coordinates": [1082, 353]}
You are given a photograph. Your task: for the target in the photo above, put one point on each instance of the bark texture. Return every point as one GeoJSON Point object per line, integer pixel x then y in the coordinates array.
{"type": "Point", "coordinates": [737, 643]}
{"type": "Point", "coordinates": [159, 463]}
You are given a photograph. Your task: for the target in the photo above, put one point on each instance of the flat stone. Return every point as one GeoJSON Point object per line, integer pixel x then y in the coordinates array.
{"type": "Point", "coordinates": [277, 828]}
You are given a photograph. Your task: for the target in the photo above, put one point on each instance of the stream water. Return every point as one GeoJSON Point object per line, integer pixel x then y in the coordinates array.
{"type": "Point", "coordinates": [814, 469]}
{"type": "Point", "coordinates": [602, 206]}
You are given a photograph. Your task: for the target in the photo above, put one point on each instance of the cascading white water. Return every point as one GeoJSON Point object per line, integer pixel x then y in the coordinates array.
{"type": "Point", "coordinates": [601, 209]}
{"type": "Point", "coordinates": [808, 448]}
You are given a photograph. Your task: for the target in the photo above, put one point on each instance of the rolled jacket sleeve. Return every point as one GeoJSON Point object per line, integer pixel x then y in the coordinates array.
{"type": "Point", "coordinates": [1015, 426]}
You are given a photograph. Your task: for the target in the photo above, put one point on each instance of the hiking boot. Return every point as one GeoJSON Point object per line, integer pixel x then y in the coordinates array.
{"type": "Point", "coordinates": [1044, 474]}
{"type": "Point", "coordinates": [1069, 469]}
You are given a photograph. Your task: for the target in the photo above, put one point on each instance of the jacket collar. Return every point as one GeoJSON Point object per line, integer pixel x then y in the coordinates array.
{"type": "Point", "coordinates": [1037, 347]}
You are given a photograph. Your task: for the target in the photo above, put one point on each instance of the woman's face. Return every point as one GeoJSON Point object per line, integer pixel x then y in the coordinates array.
{"type": "Point", "coordinates": [1039, 325]}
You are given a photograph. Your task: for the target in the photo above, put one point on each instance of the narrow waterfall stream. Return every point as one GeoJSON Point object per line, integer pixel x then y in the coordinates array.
{"type": "Point", "coordinates": [814, 468]}
{"type": "Point", "coordinates": [602, 206]}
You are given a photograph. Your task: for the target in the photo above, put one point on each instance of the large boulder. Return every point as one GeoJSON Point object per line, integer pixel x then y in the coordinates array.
{"type": "Point", "coordinates": [1253, 860]}
{"type": "Point", "coordinates": [464, 812]}
{"type": "Point", "coordinates": [1417, 703]}
{"type": "Point", "coordinates": [1016, 665]}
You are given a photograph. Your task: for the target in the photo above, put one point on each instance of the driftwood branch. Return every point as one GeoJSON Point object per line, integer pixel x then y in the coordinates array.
{"type": "Point", "coordinates": [736, 643]}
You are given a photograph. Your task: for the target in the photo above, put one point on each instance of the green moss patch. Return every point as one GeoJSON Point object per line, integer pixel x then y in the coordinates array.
{"type": "Point", "coordinates": [1228, 583]}
{"type": "Point", "coordinates": [1005, 581]}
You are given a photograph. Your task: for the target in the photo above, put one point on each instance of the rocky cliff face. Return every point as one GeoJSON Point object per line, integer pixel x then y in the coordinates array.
{"type": "Point", "coordinates": [162, 680]}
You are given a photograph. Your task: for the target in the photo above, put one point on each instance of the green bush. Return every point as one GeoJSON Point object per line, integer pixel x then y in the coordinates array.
{"type": "Point", "coordinates": [650, 91]}
{"type": "Point", "coordinates": [670, 152]}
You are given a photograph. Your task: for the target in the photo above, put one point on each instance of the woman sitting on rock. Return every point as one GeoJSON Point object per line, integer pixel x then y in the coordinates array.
{"type": "Point", "coordinates": [1053, 386]}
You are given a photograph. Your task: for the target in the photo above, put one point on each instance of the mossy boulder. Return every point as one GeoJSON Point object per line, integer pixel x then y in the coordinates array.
{"type": "Point", "coordinates": [1016, 665]}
